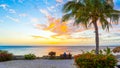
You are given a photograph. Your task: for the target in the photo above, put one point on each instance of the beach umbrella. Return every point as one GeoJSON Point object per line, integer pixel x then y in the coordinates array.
{"type": "Point", "coordinates": [116, 49]}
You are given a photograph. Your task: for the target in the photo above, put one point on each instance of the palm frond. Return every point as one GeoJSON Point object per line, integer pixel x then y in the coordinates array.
{"type": "Point", "coordinates": [66, 17]}
{"type": "Point", "coordinates": [85, 11]}
{"type": "Point", "coordinates": [105, 24]}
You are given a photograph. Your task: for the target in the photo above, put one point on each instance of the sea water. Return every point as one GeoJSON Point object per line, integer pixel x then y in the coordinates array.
{"type": "Point", "coordinates": [44, 50]}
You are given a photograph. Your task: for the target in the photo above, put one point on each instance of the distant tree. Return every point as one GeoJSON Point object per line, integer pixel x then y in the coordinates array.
{"type": "Point", "coordinates": [52, 53]}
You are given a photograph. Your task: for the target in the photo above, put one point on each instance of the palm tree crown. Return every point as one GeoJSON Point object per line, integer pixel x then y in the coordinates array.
{"type": "Point", "coordinates": [87, 12]}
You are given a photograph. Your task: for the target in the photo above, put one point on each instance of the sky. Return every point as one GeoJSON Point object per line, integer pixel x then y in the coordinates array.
{"type": "Point", "coordinates": [38, 22]}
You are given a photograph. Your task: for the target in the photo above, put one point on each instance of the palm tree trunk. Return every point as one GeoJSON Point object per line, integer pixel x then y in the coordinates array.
{"type": "Point", "coordinates": [96, 37]}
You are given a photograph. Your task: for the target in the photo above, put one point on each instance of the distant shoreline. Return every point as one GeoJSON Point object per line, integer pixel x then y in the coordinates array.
{"type": "Point", "coordinates": [56, 46]}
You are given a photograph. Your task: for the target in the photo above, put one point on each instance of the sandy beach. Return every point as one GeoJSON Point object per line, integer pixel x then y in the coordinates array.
{"type": "Point", "coordinates": [39, 63]}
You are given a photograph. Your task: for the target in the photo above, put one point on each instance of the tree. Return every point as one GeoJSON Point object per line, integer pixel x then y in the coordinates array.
{"type": "Point", "coordinates": [52, 53]}
{"type": "Point", "coordinates": [91, 12]}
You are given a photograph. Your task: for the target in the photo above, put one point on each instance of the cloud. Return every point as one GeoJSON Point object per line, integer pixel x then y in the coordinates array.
{"type": "Point", "coordinates": [34, 20]}
{"type": "Point", "coordinates": [83, 34]}
{"type": "Point", "coordinates": [59, 36]}
{"type": "Point", "coordinates": [59, 1]}
{"type": "Point", "coordinates": [20, 1]}
{"type": "Point", "coordinates": [45, 12]}
{"type": "Point", "coordinates": [61, 29]}
{"type": "Point", "coordinates": [13, 19]}
{"type": "Point", "coordinates": [52, 8]}
{"type": "Point", "coordinates": [56, 26]}
{"type": "Point", "coordinates": [45, 33]}
{"type": "Point", "coordinates": [4, 6]}
{"type": "Point", "coordinates": [23, 15]}
{"type": "Point", "coordinates": [37, 37]}
{"type": "Point", "coordinates": [40, 26]}
{"type": "Point", "coordinates": [12, 11]}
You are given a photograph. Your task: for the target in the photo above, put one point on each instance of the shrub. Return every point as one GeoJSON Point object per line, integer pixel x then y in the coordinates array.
{"type": "Point", "coordinates": [52, 55]}
{"type": "Point", "coordinates": [90, 60]}
{"type": "Point", "coordinates": [5, 56]}
{"type": "Point", "coordinates": [29, 56]}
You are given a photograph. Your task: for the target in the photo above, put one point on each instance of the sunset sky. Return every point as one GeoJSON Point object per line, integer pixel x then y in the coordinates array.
{"type": "Point", "coordinates": [38, 22]}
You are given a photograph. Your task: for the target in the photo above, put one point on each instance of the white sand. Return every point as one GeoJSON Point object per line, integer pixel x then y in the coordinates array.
{"type": "Point", "coordinates": [38, 64]}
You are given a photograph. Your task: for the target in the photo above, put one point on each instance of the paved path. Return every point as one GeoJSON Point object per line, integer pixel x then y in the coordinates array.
{"type": "Point", "coordinates": [38, 64]}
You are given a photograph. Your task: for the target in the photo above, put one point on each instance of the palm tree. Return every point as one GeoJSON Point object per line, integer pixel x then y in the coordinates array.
{"type": "Point", "coordinates": [91, 12]}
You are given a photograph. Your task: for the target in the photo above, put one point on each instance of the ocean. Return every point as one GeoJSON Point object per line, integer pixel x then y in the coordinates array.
{"type": "Point", "coordinates": [44, 50]}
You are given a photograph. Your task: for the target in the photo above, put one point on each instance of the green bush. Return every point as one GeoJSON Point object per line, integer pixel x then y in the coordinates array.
{"type": "Point", "coordinates": [5, 56]}
{"type": "Point", "coordinates": [91, 60]}
{"type": "Point", "coordinates": [29, 56]}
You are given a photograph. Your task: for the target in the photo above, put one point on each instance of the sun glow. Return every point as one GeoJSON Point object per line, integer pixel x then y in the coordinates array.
{"type": "Point", "coordinates": [42, 25]}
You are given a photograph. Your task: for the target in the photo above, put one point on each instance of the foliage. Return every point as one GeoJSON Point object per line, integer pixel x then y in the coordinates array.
{"type": "Point", "coordinates": [90, 13]}
{"type": "Point", "coordinates": [5, 56]}
{"type": "Point", "coordinates": [86, 11]}
{"type": "Point", "coordinates": [107, 51]}
{"type": "Point", "coordinates": [116, 49]}
{"type": "Point", "coordinates": [91, 60]}
{"type": "Point", "coordinates": [29, 56]}
{"type": "Point", "coordinates": [52, 55]}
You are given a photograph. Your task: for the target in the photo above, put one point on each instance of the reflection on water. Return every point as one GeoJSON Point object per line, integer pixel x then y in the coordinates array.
{"type": "Point", "coordinates": [44, 50]}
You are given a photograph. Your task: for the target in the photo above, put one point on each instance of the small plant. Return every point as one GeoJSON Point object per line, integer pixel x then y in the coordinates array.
{"type": "Point", "coordinates": [5, 56]}
{"type": "Point", "coordinates": [107, 51]}
{"type": "Point", "coordinates": [29, 56]}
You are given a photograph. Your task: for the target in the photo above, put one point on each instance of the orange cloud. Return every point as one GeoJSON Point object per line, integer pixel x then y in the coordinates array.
{"type": "Point", "coordinates": [62, 30]}
{"type": "Point", "coordinates": [57, 26]}
{"type": "Point", "coordinates": [37, 37]}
